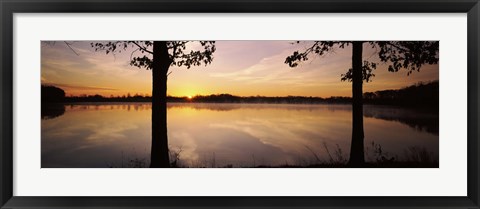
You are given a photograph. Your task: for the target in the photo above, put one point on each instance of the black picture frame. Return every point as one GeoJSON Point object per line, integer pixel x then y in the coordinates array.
{"type": "Point", "coordinates": [10, 7]}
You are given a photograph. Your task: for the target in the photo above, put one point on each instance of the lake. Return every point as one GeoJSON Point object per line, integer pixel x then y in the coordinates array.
{"type": "Point", "coordinates": [96, 135]}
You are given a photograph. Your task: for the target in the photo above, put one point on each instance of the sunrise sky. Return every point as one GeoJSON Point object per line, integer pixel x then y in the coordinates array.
{"type": "Point", "coordinates": [243, 68]}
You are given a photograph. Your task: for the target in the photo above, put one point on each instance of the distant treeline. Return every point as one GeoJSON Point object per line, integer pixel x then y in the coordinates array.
{"type": "Point", "coordinates": [228, 98]}
{"type": "Point", "coordinates": [419, 95]}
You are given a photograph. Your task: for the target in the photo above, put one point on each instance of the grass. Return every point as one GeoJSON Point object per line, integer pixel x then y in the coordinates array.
{"type": "Point", "coordinates": [376, 157]}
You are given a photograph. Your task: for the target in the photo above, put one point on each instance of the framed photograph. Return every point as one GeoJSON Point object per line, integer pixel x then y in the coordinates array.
{"type": "Point", "coordinates": [266, 104]}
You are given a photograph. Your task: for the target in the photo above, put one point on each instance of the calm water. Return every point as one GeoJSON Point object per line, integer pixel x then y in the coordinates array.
{"type": "Point", "coordinates": [217, 135]}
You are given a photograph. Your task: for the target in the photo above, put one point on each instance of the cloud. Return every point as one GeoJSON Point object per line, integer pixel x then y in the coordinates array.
{"type": "Point", "coordinates": [274, 71]}
{"type": "Point", "coordinates": [239, 67]}
{"type": "Point", "coordinates": [80, 87]}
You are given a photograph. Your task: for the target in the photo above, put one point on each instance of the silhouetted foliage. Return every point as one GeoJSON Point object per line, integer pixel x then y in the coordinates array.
{"type": "Point", "coordinates": [52, 94]}
{"type": "Point", "coordinates": [158, 56]}
{"type": "Point", "coordinates": [367, 69]}
{"type": "Point", "coordinates": [408, 55]}
{"type": "Point", "coordinates": [177, 52]}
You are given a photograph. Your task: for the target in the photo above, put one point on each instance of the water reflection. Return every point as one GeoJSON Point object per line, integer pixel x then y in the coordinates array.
{"type": "Point", "coordinates": [50, 111]}
{"type": "Point", "coordinates": [236, 135]}
{"type": "Point", "coordinates": [419, 120]}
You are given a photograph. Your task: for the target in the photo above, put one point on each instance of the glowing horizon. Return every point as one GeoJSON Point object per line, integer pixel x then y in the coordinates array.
{"type": "Point", "coordinates": [242, 68]}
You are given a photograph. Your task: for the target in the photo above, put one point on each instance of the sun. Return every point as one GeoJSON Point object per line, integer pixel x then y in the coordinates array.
{"type": "Point", "coordinates": [189, 97]}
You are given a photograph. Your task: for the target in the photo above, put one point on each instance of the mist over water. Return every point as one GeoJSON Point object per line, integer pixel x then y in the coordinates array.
{"type": "Point", "coordinates": [219, 135]}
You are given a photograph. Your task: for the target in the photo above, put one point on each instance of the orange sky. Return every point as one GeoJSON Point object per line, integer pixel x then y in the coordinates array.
{"type": "Point", "coordinates": [243, 68]}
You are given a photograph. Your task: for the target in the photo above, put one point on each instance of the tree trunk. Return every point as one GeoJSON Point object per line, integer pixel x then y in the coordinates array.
{"type": "Point", "coordinates": [161, 63]}
{"type": "Point", "coordinates": [356, 150]}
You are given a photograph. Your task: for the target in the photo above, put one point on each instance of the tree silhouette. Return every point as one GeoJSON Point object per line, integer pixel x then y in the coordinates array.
{"type": "Point", "coordinates": [158, 56]}
{"type": "Point", "coordinates": [52, 98]}
{"type": "Point", "coordinates": [408, 55]}
{"type": "Point", "coordinates": [52, 94]}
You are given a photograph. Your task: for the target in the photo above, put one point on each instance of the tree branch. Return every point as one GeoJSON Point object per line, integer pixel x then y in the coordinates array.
{"type": "Point", "coordinates": [131, 55]}
{"type": "Point", "coordinates": [68, 44]}
{"type": "Point", "coordinates": [142, 48]}
{"type": "Point", "coordinates": [395, 46]}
